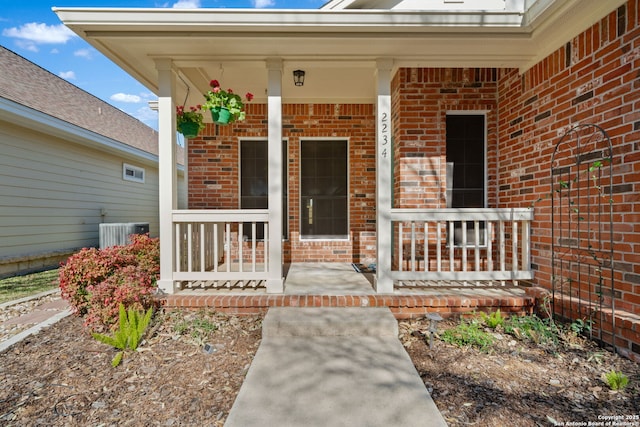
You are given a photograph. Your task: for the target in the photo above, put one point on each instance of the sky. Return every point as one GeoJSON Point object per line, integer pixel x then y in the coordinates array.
{"type": "Point", "coordinates": [30, 29]}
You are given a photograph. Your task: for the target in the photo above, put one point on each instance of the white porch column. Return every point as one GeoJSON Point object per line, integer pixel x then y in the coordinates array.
{"type": "Point", "coordinates": [384, 177]}
{"type": "Point", "coordinates": [167, 169]}
{"type": "Point", "coordinates": [275, 283]}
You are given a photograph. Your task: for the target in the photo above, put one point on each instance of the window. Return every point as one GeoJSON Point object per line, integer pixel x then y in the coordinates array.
{"type": "Point", "coordinates": [254, 179]}
{"type": "Point", "coordinates": [132, 173]}
{"type": "Point", "coordinates": [466, 175]}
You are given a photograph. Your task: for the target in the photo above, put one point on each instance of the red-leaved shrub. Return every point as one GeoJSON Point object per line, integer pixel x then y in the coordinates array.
{"type": "Point", "coordinates": [96, 281]}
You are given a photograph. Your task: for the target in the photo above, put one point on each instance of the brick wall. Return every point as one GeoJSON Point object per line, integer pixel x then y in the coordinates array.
{"type": "Point", "coordinates": [594, 78]}
{"type": "Point", "coordinates": [214, 172]}
{"type": "Point", "coordinates": [421, 100]}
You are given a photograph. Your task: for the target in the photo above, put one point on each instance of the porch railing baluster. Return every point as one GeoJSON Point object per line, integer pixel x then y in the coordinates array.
{"type": "Point", "coordinates": [227, 247]}
{"type": "Point", "coordinates": [438, 247]}
{"type": "Point", "coordinates": [202, 247]}
{"type": "Point", "coordinates": [464, 246]}
{"type": "Point", "coordinates": [189, 247]}
{"type": "Point", "coordinates": [425, 246]}
{"type": "Point", "coordinates": [178, 246]}
{"type": "Point", "coordinates": [489, 246]}
{"type": "Point", "coordinates": [413, 246]}
{"type": "Point", "coordinates": [253, 247]}
{"type": "Point", "coordinates": [451, 245]}
{"type": "Point", "coordinates": [215, 247]}
{"type": "Point", "coordinates": [401, 250]}
{"type": "Point", "coordinates": [502, 247]}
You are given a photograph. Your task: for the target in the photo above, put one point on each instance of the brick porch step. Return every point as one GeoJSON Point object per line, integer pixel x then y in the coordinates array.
{"type": "Point", "coordinates": [451, 303]}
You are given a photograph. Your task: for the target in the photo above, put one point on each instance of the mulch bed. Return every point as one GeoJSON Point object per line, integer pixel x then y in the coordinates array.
{"type": "Point", "coordinates": [63, 377]}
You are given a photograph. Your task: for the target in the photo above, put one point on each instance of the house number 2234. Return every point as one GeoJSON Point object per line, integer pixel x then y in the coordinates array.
{"type": "Point", "coordinates": [384, 134]}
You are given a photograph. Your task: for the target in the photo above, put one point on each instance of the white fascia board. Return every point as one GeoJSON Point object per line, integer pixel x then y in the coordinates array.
{"type": "Point", "coordinates": [101, 21]}
{"type": "Point", "coordinates": [21, 115]}
{"type": "Point", "coordinates": [336, 4]}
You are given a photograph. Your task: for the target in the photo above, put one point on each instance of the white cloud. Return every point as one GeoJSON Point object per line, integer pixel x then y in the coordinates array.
{"type": "Point", "coordinates": [147, 116]}
{"type": "Point", "coordinates": [40, 33]}
{"type": "Point", "coordinates": [67, 75]}
{"type": "Point", "coordinates": [27, 45]}
{"type": "Point", "coordinates": [260, 4]}
{"type": "Point", "coordinates": [54, 51]}
{"type": "Point", "coordinates": [186, 4]}
{"type": "Point", "coordinates": [124, 97]}
{"type": "Point", "coordinates": [83, 53]}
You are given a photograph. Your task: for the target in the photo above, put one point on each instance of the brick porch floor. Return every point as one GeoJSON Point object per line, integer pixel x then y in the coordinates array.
{"type": "Point", "coordinates": [450, 302]}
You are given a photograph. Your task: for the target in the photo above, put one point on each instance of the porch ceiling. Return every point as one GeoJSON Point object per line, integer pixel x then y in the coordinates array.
{"type": "Point", "coordinates": [337, 49]}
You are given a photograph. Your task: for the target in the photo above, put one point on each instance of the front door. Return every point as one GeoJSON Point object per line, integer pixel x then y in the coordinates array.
{"type": "Point", "coordinates": [324, 189]}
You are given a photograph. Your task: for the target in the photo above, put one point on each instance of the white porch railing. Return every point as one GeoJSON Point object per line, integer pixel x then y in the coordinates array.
{"type": "Point", "coordinates": [461, 244]}
{"type": "Point", "coordinates": [220, 247]}
{"type": "Point", "coordinates": [216, 248]}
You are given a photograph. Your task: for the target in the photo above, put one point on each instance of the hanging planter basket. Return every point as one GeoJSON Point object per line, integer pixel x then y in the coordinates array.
{"type": "Point", "coordinates": [189, 130]}
{"type": "Point", "coordinates": [220, 115]}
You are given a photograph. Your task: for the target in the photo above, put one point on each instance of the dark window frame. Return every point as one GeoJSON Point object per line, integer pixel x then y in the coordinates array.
{"type": "Point", "coordinates": [466, 142]}
{"type": "Point", "coordinates": [262, 201]}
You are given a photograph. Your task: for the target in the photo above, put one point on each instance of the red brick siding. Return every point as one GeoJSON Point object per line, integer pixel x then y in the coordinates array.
{"type": "Point", "coordinates": [214, 174]}
{"type": "Point", "coordinates": [421, 100]}
{"type": "Point", "coordinates": [595, 78]}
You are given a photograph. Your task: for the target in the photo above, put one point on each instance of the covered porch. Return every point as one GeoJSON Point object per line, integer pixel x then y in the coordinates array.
{"type": "Point", "coordinates": [410, 68]}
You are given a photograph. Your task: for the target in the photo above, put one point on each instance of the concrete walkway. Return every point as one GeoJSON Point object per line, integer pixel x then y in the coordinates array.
{"type": "Point", "coordinates": [42, 316]}
{"type": "Point", "coordinates": [332, 367]}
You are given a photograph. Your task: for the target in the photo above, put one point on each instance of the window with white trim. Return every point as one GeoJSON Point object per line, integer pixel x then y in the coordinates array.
{"type": "Point", "coordinates": [132, 173]}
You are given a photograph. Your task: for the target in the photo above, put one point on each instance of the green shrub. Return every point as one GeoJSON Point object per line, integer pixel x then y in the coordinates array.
{"type": "Point", "coordinates": [494, 319]}
{"type": "Point", "coordinates": [616, 380]}
{"type": "Point", "coordinates": [97, 281]}
{"type": "Point", "coordinates": [468, 333]}
{"type": "Point", "coordinates": [131, 327]}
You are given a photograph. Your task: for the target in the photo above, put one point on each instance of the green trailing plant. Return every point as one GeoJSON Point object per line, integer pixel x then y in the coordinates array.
{"type": "Point", "coordinates": [540, 331]}
{"type": "Point", "coordinates": [468, 334]}
{"type": "Point", "coordinates": [131, 328]}
{"type": "Point", "coordinates": [197, 328]}
{"type": "Point", "coordinates": [581, 326]}
{"type": "Point", "coordinates": [493, 320]}
{"type": "Point", "coordinates": [616, 380]}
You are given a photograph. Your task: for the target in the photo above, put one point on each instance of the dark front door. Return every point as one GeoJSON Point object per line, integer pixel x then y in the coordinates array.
{"type": "Point", "coordinates": [323, 189]}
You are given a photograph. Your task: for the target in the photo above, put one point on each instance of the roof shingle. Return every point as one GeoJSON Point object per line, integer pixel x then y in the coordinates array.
{"type": "Point", "coordinates": [26, 83]}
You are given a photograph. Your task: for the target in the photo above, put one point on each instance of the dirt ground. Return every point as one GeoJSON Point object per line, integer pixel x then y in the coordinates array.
{"type": "Point", "coordinates": [519, 383]}
{"type": "Point", "coordinates": [63, 377]}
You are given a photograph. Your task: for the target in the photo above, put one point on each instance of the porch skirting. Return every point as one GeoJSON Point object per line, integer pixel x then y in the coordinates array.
{"type": "Point", "coordinates": [447, 303]}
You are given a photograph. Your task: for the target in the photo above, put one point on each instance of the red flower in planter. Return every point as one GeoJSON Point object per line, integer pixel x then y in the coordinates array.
{"type": "Point", "coordinates": [217, 98]}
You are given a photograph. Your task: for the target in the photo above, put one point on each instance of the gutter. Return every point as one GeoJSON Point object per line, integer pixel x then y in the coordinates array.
{"type": "Point", "coordinates": [19, 114]}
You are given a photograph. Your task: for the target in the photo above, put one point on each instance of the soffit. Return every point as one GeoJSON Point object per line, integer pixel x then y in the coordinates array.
{"type": "Point", "coordinates": [337, 49]}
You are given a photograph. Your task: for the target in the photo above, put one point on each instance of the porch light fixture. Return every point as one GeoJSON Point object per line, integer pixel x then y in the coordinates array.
{"type": "Point", "coordinates": [298, 77]}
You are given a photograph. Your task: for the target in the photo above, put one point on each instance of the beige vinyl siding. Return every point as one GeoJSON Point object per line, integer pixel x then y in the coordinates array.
{"type": "Point", "coordinates": [52, 193]}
